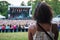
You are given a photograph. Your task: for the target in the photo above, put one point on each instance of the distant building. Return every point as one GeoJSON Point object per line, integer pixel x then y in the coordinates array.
{"type": "Point", "coordinates": [19, 12]}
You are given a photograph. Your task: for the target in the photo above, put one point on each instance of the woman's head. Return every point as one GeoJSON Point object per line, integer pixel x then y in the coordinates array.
{"type": "Point", "coordinates": [43, 13]}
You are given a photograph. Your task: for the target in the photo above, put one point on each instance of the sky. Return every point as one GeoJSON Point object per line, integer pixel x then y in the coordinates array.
{"type": "Point", "coordinates": [16, 2]}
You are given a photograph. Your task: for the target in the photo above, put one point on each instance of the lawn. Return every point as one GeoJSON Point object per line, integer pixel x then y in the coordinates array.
{"type": "Point", "coordinates": [15, 36]}
{"type": "Point", "coordinates": [59, 36]}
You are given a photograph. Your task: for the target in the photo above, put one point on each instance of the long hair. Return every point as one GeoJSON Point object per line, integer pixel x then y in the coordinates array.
{"type": "Point", "coordinates": [43, 13]}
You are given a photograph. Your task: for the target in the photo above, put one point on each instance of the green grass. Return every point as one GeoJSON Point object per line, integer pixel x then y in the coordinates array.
{"type": "Point", "coordinates": [59, 36]}
{"type": "Point", "coordinates": [15, 36]}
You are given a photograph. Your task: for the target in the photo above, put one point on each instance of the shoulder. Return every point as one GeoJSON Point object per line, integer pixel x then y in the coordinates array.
{"type": "Point", "coordinates": [31, 31]}
{"type": "Point", "coordinates": [32, 26]}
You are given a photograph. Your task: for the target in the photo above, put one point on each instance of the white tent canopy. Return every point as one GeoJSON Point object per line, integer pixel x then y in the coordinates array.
{"type": "Point", "coordinates": [1, 16]}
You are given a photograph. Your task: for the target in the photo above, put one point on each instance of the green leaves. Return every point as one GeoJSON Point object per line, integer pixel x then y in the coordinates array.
{"type": "Point", "coordinates": [22, 4]}
{"type": "Point", "coordinates": [55, 4]}
{"type": "Point", "coordinates": [29, 3]}
{"type": "Point", "coordinates": [4, 7]}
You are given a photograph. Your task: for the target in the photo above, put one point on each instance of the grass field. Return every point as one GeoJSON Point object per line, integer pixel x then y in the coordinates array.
{"type": "Point", "coordinates": [15, 36]}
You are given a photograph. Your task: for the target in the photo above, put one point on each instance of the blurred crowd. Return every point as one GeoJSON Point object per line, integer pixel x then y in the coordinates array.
{"type": "Point", "coordinates": [13, 28]}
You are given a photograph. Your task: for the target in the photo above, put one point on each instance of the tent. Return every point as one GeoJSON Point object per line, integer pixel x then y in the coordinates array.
{"type": "Point", "coordinates": [1, 17]}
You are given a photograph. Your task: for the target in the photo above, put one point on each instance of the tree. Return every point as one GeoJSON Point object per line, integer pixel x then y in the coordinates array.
{"type": "Point", "coordinates": [29, 3]}
{"type": "Point", "coordinates": [55, 6]}
{"type": "Point", "coordinates": [4, 8]}
{"type": "Point", "coordinates": [34, 4]}
{"type": "Point", "coordinates": [22, 4]}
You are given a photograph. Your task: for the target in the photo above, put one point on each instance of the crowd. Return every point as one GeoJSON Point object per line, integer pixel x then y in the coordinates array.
{"type": "Point", "coordinates": [14, 28]}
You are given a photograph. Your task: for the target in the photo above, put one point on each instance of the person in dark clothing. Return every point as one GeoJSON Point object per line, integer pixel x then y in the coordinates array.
{"type": "Point", "coordinates": [19, 28]}
{"type": "Point", "coordinates": [16, 28]}
{"type": "Point", "coordinates": [26, 27]}
{"type": "Point", "coordinates": [0, 28]}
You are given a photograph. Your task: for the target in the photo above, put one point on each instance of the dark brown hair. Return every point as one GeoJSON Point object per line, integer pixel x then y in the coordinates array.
{"type": "Point", "coordinates": [43, 13]}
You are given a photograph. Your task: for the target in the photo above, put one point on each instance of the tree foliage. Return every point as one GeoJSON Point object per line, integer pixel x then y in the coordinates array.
{"type": "Point", "coordinates": [3, 8]}
{"type": "Point", "coordinates": [29, 3]}
{"type": "Point", "coordinates": [34, 3]}
{"type": "Point", "coordinates": [22, 3]}
{"type": "Point", "coordinates": [55, 4]}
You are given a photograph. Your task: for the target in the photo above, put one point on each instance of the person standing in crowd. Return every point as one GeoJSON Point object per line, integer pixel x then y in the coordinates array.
{"type": "Point", "coordinates": [0, 28]}
{"type": "Point", "coordinates": [14, 28]}
{"type": "Point", "coordinates": [22, 27]}
{"type": "Point", "coordinates": [7, 28]}
{"type": "Point", "coordinates": [3, 28]}
{"type": "Point", "coordinates": [19, 28]}
{"type": "Point", "coordinates": [26, 27]}
{"type": "Point", "coordinates": [43, 29]}
{"type": "Point", "coordinates": [11, 28]}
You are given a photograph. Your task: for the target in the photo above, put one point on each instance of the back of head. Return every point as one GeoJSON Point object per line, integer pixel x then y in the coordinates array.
{"type": "Point", "coordinates": [43, 13]}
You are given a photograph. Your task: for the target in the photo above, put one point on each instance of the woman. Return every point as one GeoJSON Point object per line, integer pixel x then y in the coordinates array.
{"type": "Point", "coordinates": [7, 28]}
{"type": "Point", "coordinates": [19, 28]}
{"type": "Point", "coordinates": [11, 28]}
{"type": "Point", "coordinates": [0, 28]}
{"type": "Point", "coordinates": [43, 16]}
{"type": "Point", "coordinates": [3, 28]}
